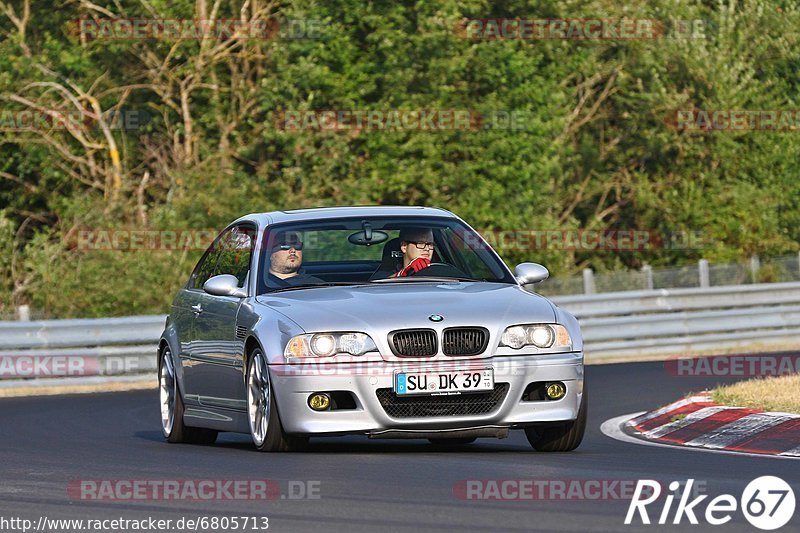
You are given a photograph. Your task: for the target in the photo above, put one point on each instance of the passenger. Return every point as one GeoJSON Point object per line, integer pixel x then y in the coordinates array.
{"type": "Point", "coordinates": [285, 260]}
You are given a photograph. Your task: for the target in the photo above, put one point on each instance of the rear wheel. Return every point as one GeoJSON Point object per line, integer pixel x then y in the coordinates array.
{"type": "Point", "coordinates": [172, 426]}
{"type": "Point", "coordinates": [262, 411]}
{"type": "Point", "coordinates": [562, 436]}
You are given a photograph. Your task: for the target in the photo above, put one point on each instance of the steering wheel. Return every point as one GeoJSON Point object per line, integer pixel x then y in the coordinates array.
{"type": "Point", "coordinates": [425, 271]}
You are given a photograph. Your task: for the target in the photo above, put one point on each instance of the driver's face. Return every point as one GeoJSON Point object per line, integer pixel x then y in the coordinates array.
{"type": "Point", "coordinates": [411, 252]}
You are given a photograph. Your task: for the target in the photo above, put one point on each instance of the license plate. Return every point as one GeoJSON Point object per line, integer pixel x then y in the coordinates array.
{"type": "Point", "coordinates": [456, 382]}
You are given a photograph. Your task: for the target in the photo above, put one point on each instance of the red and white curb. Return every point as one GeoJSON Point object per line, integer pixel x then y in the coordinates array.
{"type": "Point", "coordinates": [698, 422]}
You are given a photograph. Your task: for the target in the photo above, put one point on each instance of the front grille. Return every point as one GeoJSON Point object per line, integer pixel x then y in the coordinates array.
{"type": "Point", "coordinates": [413, 342]}
{"type": "Point", "coordinates": [464, 341]}
{"type": "Point", "coordinates": [446, 405]}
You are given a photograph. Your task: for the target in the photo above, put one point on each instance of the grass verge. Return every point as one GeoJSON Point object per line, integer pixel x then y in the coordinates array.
{"type": "Point", "coordinates": [769, 394]}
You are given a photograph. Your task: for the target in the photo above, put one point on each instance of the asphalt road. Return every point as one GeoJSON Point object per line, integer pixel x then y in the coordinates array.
{"type": "Point", "coordinates": [48, 442]}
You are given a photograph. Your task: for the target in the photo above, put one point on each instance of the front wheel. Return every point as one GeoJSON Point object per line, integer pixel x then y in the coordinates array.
{"type": "Point", "coordinates": [172, 426]}
{"type": "Point", "coordinates": [561, 436]}
{"type": "Point", "coordinates": [265, 424]}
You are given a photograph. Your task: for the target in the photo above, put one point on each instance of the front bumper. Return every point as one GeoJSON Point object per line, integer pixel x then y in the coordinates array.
{"type": "Point", "coordinates": [292, 387]}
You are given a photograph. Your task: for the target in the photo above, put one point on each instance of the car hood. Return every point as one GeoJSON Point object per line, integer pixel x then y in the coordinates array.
{"type": "Point", "coordinates": [390, 306]}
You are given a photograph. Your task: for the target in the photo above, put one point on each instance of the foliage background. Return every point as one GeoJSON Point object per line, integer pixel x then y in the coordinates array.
{"type": "Point", "coordinates": [595, 152]}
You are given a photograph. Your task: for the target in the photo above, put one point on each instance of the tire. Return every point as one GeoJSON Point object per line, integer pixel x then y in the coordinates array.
{"type": "Point", "coordinates": [452, 442]}
{"type": "Point", "coordinates": [563, 436]}
{"type": "Point", "coordinates": [266, 429]}
{"type": "Point", "coordinates": [172, 426]}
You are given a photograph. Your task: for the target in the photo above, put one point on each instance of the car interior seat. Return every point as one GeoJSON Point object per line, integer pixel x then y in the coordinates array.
{"type": "Point", "coordinates": [391, 260]}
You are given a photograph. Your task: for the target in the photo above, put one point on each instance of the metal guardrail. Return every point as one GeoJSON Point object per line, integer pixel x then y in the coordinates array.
{"type": "Point", "coordinates": [645, 323]}
{"type": "Point", "coordinates": [635, 302]}
{"type": "Point", "coordinates": [687, 321]}
{"type": "Point", "coordinates": [101, 346]}
{"type": "Point", "coordinates": [81, 332]}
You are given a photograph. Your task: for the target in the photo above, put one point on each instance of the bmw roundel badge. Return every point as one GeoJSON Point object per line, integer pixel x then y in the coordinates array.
{"type": "Point", "coordinates": [436, 318]}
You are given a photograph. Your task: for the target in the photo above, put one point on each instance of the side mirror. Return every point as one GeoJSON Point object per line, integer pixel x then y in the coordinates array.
{"type": "Point", "coordinates": [527, 273]}
{"type": "Point", "coordinates": [224, 285]}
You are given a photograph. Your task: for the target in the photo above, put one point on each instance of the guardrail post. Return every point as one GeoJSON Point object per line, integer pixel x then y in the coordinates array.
{"type": "Point", "coordinates": [24, 313]}
{"type": "Point", "coordinates": [702, 268]}
{"type": "Point", "coordinates": [647, 270]}
{"type": "Point", "coordinates": [755, 264]}
{"type": "Point", "coordinates": [588, 281]}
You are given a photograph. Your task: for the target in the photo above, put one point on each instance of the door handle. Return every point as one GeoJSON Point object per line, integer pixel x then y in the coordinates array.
{"type": "Point", "coordinates": [197, 309]}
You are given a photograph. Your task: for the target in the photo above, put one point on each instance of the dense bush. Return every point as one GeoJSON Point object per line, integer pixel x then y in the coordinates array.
{"type": "Point", "coordinates": [595, 145]}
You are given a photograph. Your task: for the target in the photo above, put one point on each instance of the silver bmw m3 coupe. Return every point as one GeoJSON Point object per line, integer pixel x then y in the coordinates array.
{"type": "Point", "coordinates": [390, 322]}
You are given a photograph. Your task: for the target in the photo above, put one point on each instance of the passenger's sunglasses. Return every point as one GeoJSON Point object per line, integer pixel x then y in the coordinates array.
{"type": "Point", "coordinates": [423, 245]}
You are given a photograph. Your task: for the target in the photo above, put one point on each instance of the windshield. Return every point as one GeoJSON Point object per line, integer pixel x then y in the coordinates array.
{"type": "Point", "coordinates": [374, 250]}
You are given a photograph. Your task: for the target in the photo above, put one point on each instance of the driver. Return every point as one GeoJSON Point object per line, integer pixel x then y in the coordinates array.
{"type": "Point", "coordinates": [417, 247]}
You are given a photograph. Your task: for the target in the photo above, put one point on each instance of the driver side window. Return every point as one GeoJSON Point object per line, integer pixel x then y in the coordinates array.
{"type": "Point", "coordinates": [205, 269]}
{"type": "Point", "coordinates": [236, 249]}
{"type": "Point", "coordinates": [229, 254]}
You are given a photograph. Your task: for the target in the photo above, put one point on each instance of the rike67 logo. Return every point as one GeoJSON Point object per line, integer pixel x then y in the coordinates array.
{"type": "Point", "coordinates": [767, 503]}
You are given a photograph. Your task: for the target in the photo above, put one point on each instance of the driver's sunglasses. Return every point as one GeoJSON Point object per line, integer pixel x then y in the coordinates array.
{"type": "Point", "coordinates": [287, 247]}
{"type": "Point", "coordinates": [423, 245]}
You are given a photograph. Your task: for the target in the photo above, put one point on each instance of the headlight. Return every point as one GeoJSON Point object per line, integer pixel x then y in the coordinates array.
{"type": "Point", "coordinates": [540, 335]}
{"type": "Point", "coordinates": [327, 344]}
{"type": "Point", "coordinates": [323, 344]}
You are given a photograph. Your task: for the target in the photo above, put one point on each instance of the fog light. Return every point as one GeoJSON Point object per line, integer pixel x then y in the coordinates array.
{"type": "Point", "coordinates": [556, 391]}
{"type": "Point", "coordinates": [319, 401]}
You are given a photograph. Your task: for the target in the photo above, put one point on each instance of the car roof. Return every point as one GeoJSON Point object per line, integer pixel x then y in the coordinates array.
{"type": "Point", "coordinates": [327, 213]}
